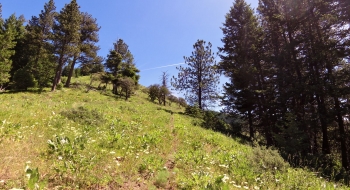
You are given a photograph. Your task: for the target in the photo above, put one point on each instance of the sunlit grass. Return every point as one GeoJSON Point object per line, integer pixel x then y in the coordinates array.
{"type": "Point", "coordinates": [136, 144]}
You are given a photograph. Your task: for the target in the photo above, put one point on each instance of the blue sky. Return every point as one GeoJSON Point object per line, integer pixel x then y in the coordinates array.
{"type": "Point", "coordinates": [158, 32]}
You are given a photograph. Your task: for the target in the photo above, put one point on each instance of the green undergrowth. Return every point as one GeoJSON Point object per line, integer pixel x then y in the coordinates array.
{"type": "Point", "coordinates": [70, 139]}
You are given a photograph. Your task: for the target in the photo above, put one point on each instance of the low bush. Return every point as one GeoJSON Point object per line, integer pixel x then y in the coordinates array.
{"type": "Point", "coordinates": [84, 116]}
{"type": "Point", "coordinates": [267, 159]}
{"type": "Point", "coordinates": [194, 111]}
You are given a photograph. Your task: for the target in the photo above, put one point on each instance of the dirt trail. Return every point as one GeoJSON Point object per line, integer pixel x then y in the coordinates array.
{"type": "Point", "coordinates": [170, 163]}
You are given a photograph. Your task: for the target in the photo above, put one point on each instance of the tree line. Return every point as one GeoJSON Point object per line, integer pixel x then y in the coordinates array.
{"type": "Point", "coordinates": [53, 44]}
{"type": "Point", "coordinates": [288, 66]}
{"type": "Point", "coordinates": [288, 70]}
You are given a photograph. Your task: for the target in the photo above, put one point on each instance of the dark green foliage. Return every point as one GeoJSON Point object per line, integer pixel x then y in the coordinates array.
{"type": "Point", "coordinates": [240, 62]}
{"type": "Point", "coordinates": [66, 32]}
{"type": "Point", "coordinates": [17, 61]}
{"type": "Point", "coordinates": [291, 140]}
{"type": "Point", "coordinates": [153, 92]}
{"type": "Point", "coordinates": [37, 51]}
{"type": "Point", "coordinates": [127, 85]}
{"type": "Point", "coordinates": [212, 121]}
{"type": "Point", "coordinates": [200, 78]}
{"type": "Point", "coordinates": [65, 71]}
{"type": "Point", "coordinates": [7, 43]}
{"type": "Point", "coordinates": [87, 49]}
{"type": "Point", "coordinates": [113, 62]}
{"type": "Point", "coordinates": [59, 86]}
{"type": "Point", "coordinates": [127, 66]}
{"type": "Point", "coordinates": [77, 72]}
{"type": "Point", "coordinates": [84, 116]}
{"type": "Point", "coordinates": [194, 111]}
{"type": "Point", "coordinates": [23, 79]}
{"type": "Point", "coordinates": [87, 69]}
{"type": "Point", "coordinates": [172, 99]}
{"type": "Point", "coordinates": [288, 74]}
{"type": "Point", "coordinates": [266, 159]}
{"type": "Point", "coordinates": [158, 92]}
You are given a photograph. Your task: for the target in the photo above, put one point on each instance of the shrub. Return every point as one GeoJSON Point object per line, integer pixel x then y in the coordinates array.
{"type": "Point", "coordinates": [128, 86]}
{"type": "Point", "coordinates": [162, 179]}
{"type": "Point", "coordinates": [59, 86]}
{"type": "Point", "coordinates": [77, 72]}
{"type": "Point", "coordinates": [144, 90]}
{"type": "Point", "coordinates": [84, 116]}
{"type": "Point", "coordinates": [153, 92]}
{"type": "Point", "coordinates": [193, 111]}
{"type": "Point", "coordinates": [267, 159]}
{"type": "Point", "coordinates": [212, 121]}
{"type": "Point", "coordinates": [172, 99]}
{"type": "Point", "coordinates": [182, 102]}
{"type": "Point", "coordinates": [64, 79]}
{"type": "Point", "coordinates": [23, 79]}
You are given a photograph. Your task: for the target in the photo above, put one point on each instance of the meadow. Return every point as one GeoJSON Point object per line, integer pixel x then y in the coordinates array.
{"type": "Point", "coordinates": [73, 139]}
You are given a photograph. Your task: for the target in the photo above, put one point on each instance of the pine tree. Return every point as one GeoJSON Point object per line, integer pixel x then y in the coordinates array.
{"type": "Point", "coordinates": [66, 37]}
{"type": "Point", "coordinates": [7, 43]}
{"type": "Point", "coordinates": [17, 62]}
{"type": "Point", "coordinates": [128, 67]}
{"type": "Point", "coordinates": [200, 78]}
{"type": "Point", "coordinates": [36, 53]}
{"type": "Point", "coordinates": [87, 52]}
{"type": "Point", "coordinates": [113, 65]}
{"type": "Point", "coordinates": [240, 62]}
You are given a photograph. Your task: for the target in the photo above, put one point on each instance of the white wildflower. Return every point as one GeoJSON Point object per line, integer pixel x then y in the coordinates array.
{"type": "Point", "coordinates": [225, 178]}
{"type": "Point", "coordinates": [223, 166]}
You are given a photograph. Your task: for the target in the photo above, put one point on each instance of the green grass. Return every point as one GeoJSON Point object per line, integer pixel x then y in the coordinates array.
{"type": "Point", "coordinates": [80, 140]}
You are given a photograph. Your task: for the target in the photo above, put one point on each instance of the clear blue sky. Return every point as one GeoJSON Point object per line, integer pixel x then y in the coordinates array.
{"type": "Point", "coordinates": [158, 32]}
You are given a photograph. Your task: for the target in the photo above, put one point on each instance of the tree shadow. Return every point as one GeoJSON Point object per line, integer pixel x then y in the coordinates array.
{"type": "Point", "coordinates": [31, 91]}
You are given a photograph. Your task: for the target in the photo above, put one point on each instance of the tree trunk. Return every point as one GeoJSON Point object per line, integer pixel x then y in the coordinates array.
{"type": "Point", "coordinates": [322, 115]}
{"type": "Point", "coordinates": [344, 154]}
{"type": "Point", "coordinates": [251, 129]}
{"type": "Point", "coordinates": [57, 78]}
{"type": "Point", "coordinates": [59, 68]}
{"type": "Point", "coordinates": [71, 70]}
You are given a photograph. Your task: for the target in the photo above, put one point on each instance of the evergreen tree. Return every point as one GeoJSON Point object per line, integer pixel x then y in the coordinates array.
{"type": "Point", "coordinates": [113, 65]}
{"type": "Point", "coordinates": [38, 50]}
{"type": "Point", "coordinates": [66, 32]}
{"type": "Point", "coordinates": [199, 80]}
{"type": "Point", "coordinates": [240, 62]}
{"type": "Point", "coordinates": [7, 43]}
{"type": "Point", "coordinates": [17, 62]}
{"type": "Point", "coordinates": [87, 49]}
{"type": "Point", "coordinates": [120, 63]}
{"type": "Point", "coordinates": [128, 67]}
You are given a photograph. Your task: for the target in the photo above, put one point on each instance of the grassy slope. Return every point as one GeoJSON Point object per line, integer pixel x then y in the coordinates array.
{"type": "Point", "coordinates": [137, 145]}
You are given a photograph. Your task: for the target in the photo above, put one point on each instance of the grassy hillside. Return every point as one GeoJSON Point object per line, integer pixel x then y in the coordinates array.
{"type": "Point", "coordinates": [70, 139]}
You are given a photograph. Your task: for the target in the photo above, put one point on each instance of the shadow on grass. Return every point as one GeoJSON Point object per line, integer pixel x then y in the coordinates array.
{"type": "Point", "coordinates": [32, 91]}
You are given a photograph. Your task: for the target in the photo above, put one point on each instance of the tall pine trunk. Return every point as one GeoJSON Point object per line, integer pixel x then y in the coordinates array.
{"type": "Point", "coordinates": [71, 70]}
